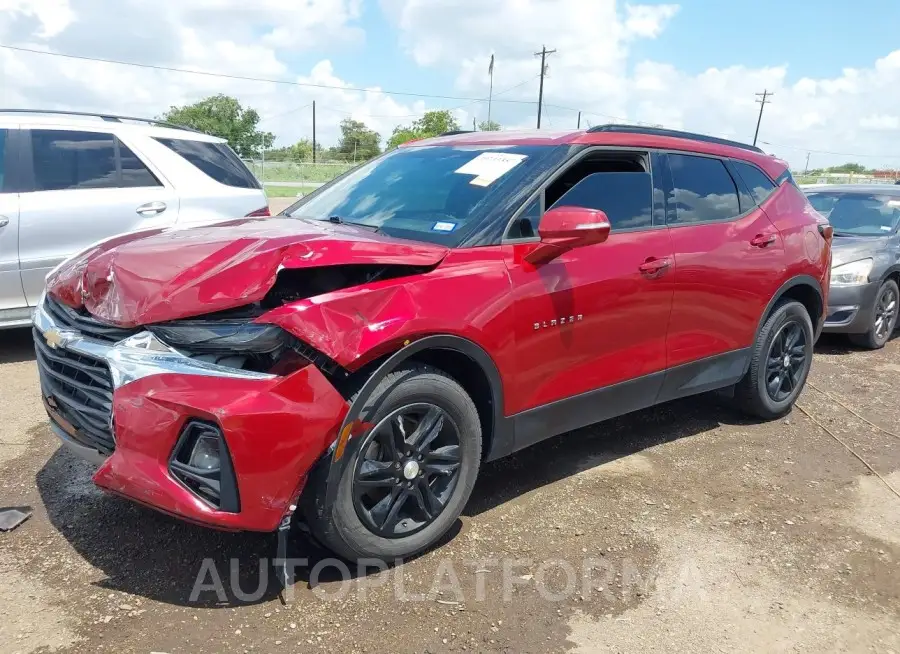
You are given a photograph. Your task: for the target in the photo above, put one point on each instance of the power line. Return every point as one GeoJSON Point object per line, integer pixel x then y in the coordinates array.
{"type": "Point", "coordinates": [422, 113]}
{"type": "Point", "coordinates": [839, 154]}
{"type": "Point", "coordinates": [247, 78]}
{"type": "Point", "coordinates": [762, 104]}
{"type": "Point", "coordinates": [765, 95]}
{"type": "Point", "coordinates": [291, 111]}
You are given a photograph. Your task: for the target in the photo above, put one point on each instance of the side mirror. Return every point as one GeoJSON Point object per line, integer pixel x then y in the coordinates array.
{"type": "Point", "coordinates": [565, 228]}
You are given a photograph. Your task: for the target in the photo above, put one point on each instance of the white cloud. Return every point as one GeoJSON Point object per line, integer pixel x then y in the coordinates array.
{"type": "Point", "coordinates": [648, 20]}
{"type": "Point", "coordinates": [225, 36]}
{"type": "Point", "coordinates": [594, 70]}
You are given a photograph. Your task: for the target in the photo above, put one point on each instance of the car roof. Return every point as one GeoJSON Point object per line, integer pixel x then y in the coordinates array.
{"type": "Point", "coordinates": [106, 123]}
{"type": "Point", "coordinates": [868, 189]}
{"type": "Point", "coordinates": [616, 136]}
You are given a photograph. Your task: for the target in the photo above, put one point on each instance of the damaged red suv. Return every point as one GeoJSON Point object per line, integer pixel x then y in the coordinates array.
{"type": "Point", "coordinates": [351, 363]}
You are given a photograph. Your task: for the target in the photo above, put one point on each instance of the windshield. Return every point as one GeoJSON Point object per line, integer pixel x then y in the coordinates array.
{"type": "Point", "coordinates": [426, 193]}
{"type": "Point", "coordinates": [858, 214]}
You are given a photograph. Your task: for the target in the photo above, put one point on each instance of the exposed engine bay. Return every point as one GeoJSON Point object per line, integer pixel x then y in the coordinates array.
{"type": "Point", "coordinates": [231, 338]}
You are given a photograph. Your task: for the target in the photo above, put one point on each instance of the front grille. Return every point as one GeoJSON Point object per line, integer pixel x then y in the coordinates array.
{"type": "Point", "coordinates": [81, 321]}
{"type": "Point", "coordinates": [79, 390]}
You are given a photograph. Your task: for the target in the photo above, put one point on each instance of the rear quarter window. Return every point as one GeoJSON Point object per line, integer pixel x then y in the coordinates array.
{"type": "Point", "coordinates": [217, 160]}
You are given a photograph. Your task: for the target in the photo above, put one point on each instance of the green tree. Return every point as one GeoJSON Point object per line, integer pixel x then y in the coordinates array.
{"type": "Point", "coordinates": [299, 151]}
{"type": "Point", "coordinates": [489, 126]}
{"type": "Point", "coordinates": [357, 142]}
{"type": "Point", "coordinates": [223, 116]}
{"type": "Point", "coordinates": [848, 167]}
{"type": "Point", "coordinates": [432, 123]}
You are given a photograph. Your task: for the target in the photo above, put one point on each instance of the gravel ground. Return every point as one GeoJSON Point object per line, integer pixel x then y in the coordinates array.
{"type": "Point", "coordinates": [681, 528]}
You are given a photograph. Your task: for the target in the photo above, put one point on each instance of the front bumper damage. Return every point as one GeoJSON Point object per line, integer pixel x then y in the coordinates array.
{"type": "Point", "coordinates": [125, 404]}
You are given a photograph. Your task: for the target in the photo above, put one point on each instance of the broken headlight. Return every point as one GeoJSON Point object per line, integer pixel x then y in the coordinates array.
{"type": "Point", "coordinates": [221, 336]}
{"type": "Point", "coordinates": [231, 343]}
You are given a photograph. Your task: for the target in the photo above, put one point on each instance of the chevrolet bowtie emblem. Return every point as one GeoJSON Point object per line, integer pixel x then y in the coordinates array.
{"type": "Point", "coordinates": [54, 338]}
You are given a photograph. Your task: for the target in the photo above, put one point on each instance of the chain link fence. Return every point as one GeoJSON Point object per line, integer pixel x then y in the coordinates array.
{"type": "Point", "coordinates": [845, 178]}
{"type": "Point", "coordinates": [295, 178]}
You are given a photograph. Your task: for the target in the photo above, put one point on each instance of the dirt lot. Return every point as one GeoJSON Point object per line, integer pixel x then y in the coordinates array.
{"type": "Point", "coordinates": [683, 528]}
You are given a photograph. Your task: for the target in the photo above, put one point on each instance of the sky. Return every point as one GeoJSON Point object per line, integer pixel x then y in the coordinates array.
{"type": "Point", "coordinates": [833, 65]}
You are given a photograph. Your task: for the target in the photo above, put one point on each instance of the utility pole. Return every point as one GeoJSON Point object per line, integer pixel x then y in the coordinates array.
{"type": "Point", "coordinates": [314, 131]}
{"type": "Point", "coordinates": [579, 120]}
{"type": "Point", "coordinates": [762, 103]}
{"type": "Point", "coordinates": [491, 90]}
{"type": "Point", "coordinates": [543, 55]}
{"type": "Point", "coordinates": [806, 170]}
{"type": "Point", "coordinates": [474, 129]}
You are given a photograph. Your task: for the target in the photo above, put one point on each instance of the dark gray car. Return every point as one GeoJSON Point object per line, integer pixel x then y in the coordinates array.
{"type": "Point", "coordinates": [865, 267]}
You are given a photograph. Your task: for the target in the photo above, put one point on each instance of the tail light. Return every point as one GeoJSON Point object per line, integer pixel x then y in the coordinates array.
{"type": "Point", "coordinates": [259, 213]}
{"type": "Point", "coordinates": [827, 231]}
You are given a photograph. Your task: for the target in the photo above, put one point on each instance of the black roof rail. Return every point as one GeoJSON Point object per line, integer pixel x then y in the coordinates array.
{"type": "Point", "coordinates": [110, 118]}
{"type": "Point", "coordinates": [660, 131]}
{"type": "Point", "coordinates": [454, 132]}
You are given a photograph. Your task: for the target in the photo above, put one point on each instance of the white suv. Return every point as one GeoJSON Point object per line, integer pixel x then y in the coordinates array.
{"type": "Point", "coordinates": [68, 180]}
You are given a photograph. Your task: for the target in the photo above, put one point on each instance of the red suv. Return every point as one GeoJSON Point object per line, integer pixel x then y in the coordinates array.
{"type": "Point", "coordinates": [357, 358]}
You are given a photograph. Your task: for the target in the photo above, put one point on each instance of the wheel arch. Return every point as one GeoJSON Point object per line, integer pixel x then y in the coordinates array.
{"type": "Point", "coordinates": [892, 273]}
{"type": "Point", "coordinates": [471, 366]}
{"type": "Point", "coordinates": [806, 290]}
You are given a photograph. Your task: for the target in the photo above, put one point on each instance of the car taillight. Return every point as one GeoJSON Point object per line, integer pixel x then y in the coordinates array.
{"type": "Point", "coordinates": [827, 231]}
{"type": "Point", "coordinates": [259, 212]}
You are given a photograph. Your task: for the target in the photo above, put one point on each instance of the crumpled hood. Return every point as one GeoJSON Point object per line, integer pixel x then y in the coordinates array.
{"type": "Point", "coordinates": [159, 275]}
{"type": "Point", "coordinates": [846, 249]}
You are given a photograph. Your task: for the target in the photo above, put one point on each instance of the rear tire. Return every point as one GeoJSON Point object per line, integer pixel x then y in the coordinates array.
{"type": "Point", "coordinates": [884, 318]}
{"type": "Point", "coordinates": [779, 363]}
{"type": "Point", "coordinates": [431, 488]}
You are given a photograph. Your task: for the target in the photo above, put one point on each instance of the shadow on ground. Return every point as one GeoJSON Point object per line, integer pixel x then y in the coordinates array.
{"type": "Point", "coordinates": [16, 345]}
{"type": "Point", "coordinates": [840, 344]}
{"type": "Point", "coordinates": [152, 555]}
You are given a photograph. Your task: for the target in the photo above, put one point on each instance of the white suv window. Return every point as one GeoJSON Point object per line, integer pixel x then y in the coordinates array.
{"type": "Point", "coordinates": [69, 159]}
{"type": "Point", "coordinates": [134, 172]}
{"type": "Point", "coordinates": [73, 160]}
{"type": "Point", "coordinates": [215, 159]}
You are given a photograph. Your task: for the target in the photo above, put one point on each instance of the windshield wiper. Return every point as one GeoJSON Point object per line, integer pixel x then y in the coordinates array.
{"type": "Point", "coordinates": [337, 220]}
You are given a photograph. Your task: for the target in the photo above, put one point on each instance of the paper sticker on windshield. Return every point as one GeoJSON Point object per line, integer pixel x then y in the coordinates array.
{"type": "Point", "coordinates": [443, 227]}
{"type": "Point", "coordinates": [488, 167]}
{"type": "Point", "coordinates": [886, 228]}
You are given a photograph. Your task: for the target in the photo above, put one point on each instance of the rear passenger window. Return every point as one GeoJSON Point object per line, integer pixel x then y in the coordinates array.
{"type": "Point", "coordinates": [761, 187]}
{"type": "Point", "coordinates": [134, 172]}
{"type": "Point", "coordinates": [216, 160]}
{"type": "Point", "coordinates": [73, 160]}
{"type": "Point", "coordinates": [703, 190]}
{"type": "Point", "coordinates": [626, 198]}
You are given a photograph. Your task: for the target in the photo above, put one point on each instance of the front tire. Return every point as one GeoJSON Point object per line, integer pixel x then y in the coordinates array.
{"type": "Point", "coordinates": [779, 363]}
{"type": "Point", "coordinates": [884, 318]}
{"type": "Point", "coordinates": [412, 475]}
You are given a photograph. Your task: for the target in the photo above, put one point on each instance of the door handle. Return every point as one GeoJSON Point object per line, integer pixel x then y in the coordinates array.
{"type": "Point", "coordinates": [4, 221]}
{"type": "Point", "coordinates": [151, 208]}
{"type": "Point", "coordinates": [762, 240]}
{"type": "Point", "coordinates": [653, 267]}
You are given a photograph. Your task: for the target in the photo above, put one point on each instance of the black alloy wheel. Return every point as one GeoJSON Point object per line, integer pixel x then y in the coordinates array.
{"type": "Point", "coordinates": [786, 361]}
{"type": "Point", "coordinates": [407, 470]}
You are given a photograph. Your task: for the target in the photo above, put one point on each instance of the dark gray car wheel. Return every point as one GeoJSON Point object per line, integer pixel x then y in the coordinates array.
{"type": "Point", "coordinates": [413, 473]}
{"type": "Point", "coordinates": [884, 318]}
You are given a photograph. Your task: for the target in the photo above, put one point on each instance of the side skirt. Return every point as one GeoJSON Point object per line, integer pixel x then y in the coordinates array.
{"type": "Point", "coordinates": [537, 424]}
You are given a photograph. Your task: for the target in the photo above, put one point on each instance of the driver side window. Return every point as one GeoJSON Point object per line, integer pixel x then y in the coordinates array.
{"type": "Point", "coordinates": [618, 183]}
